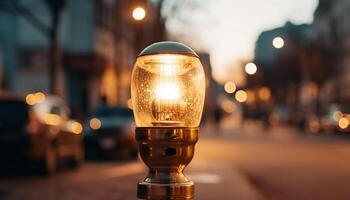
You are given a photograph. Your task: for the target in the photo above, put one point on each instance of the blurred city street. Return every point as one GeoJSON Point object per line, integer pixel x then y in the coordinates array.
{"type": "Point", "coordinates": [106, 99]}
{"type": "Point", "coordinates": [246, 164]}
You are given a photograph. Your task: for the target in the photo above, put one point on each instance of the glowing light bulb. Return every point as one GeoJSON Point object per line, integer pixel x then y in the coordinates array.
{"type": "Point", "coordinates": [168, 90]}
{"type": "Point", "coordinates": [139, 13]}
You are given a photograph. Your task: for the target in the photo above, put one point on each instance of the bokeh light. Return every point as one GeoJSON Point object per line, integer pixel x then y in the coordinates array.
{"type": "Point", "coordinates": [230, 87]}
{"type": "Point", "coordinates": [227, 105]}
{"type": "Point", "coordinates": [343, 123]}
{"type": "Point", "coordinates": [30, 99]}
{"type": "Point", "coordinates": [138, 13]}
{"type": "Point", "coordinates": [250, 68]}
{"type": "Point", "coordinates": [39, 97]}
{"type": "Point", "coordinates": [264, 93]}
{"type": "Point", "coordinates": [95, 123]}
{"type": "Point", "coordinates": [278, 42]}
{"type": "Point", "coordinates": [241, 96]}
{"type": "Point", "coordinates": [76, 127]}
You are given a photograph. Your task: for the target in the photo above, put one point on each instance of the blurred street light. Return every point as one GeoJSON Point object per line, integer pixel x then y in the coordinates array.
{"type": "Point", "coordinates": [139, 13]}
{"type": "Point", "coordinates": [278, 42]}
{"type": "Point", "coordinates": [250, 68]}
{"type": "Point", "coordinates": [227, 105]}
{"type": "Point", "coordinates": [264, 93]}
{"type": "Point", "coordinates": [95, 123]}
{"type": "Point", "coordinates": [241, 96]}
{"type": "Point", "coordinates": [230, 87]}
{"type": "Point", "coordinates": [343, 123]}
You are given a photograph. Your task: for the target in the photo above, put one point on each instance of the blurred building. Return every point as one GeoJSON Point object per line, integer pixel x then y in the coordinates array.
{"type": "Point", "coordinates": [98, 41]}
{"type": "Point", "coordinates": [309, 71]}
{"type": "Point", "coordinates": [281, 69]}
{"type": "Point", "coordinates": [331, 29]}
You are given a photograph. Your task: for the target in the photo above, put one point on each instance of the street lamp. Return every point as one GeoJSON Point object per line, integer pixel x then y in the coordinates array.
{"type": "Point", "coordinates": [139, 13]}
{"type": "Point", "coordinates": [167, 90]}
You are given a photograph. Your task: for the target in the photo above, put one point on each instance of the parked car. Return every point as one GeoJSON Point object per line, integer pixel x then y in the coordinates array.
{"type": "Point", "coordinates": [37, 130]}
{"type": "Point", "coordinates": [109, 134]}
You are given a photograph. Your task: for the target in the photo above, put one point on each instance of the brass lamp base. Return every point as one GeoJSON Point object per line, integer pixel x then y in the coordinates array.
{"type": "Point", "coordinates": [166, 151]}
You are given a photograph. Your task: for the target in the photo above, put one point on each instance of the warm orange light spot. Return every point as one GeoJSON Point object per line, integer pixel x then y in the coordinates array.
{"type": "Point", "coordinates": [230, 87]}
{"type": "Point", "coordinates": [343, 123]}
{"type": "Point", "coordinates": [95, 123]}
{"type": "Point", "coordinates": [30, 99]}
{"type": "Point", "coordinates": [139, 13]}
{"type": "Point", "coordinates": [227, 105]}
{"type": "Point", "coordinates": [52, 119]}
{"type": "Point", "coordinates": [76, 127]}
{"type": "Point", "coordinates": [264, 93]}
{"type": "Point", "coordinates": [39, 97]}
{"type": "Point", "coordinates": [250, 97]}
{"type": "Point", "coordinates": [241, 96]}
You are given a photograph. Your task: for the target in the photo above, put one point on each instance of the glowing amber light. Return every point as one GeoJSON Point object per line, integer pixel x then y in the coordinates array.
{"type": "Point", "coordinates": [241, 96]}
{"type": "Point", "coordinates": [76, 127]}
{"type": "Point", "coordinates": [278, 42]}
{"type": "Point", "coordinates": [39, 97]}
{"type": "Point", "coordinates": [138, 13]}
{"type": "Point", "coordinates": [264, 93]}
{"type": "Point", "coordinates": [230, 87]}
{"type": "Point", "coordinates": [30, 99]}
{"type": "Point", "coordinates": [343, 123]}
{"type": "Point", "coordinates": [52, 119]}
{"type": "Point", "coordinates": [167, 90]}
{"type": "Point", "coordinates": [95, 123]}
{"type": "Point", "coordinates": [250, 68]}
{"type": "Point", "coordinates": [228, 106]}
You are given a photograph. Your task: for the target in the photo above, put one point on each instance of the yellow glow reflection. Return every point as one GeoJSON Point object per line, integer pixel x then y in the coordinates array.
{"type": "Point", "coordinates": [230, 87]}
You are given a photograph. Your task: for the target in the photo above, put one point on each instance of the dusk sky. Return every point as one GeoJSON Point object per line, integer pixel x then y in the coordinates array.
{"type": "Point", "coordinates": [228, 29]}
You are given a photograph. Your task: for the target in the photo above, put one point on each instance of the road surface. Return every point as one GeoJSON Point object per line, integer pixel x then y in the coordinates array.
{"type": "Point", "coordinates": [238, 163]}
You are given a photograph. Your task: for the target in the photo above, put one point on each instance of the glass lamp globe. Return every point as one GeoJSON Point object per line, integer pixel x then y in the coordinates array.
{"type": "Point", "coordinates": [168, 86]}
